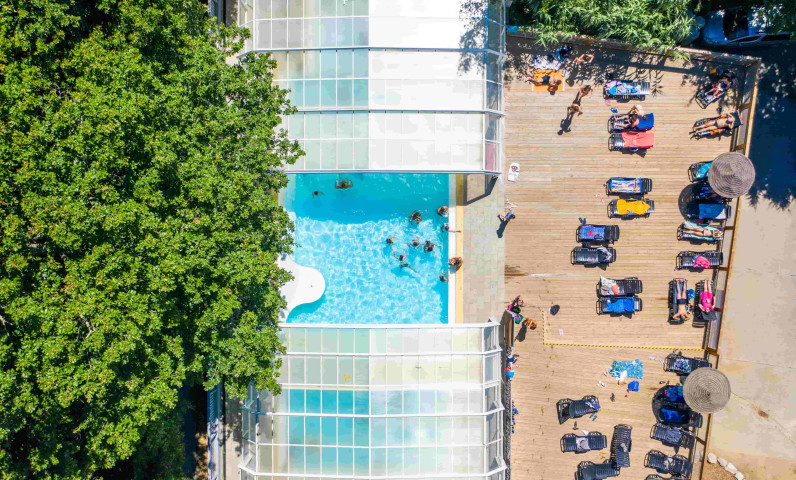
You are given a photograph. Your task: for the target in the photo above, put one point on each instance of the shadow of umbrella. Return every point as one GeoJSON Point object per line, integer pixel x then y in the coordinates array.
{"type": "Point", "coordinates": [687, 197]}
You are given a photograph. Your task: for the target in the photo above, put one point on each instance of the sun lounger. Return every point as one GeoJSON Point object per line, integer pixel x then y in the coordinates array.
{"type": "Point", "coordinates": [655, 476]}
{"type": "Point", "coordinates": [676, 464]}
{"type": "Point", "coordinates": [583, 443]}
{"type": "Point", "coordinates": [608, 287]}
{"type": "Point", "coordinates": [705, 194]}
{"type": "Point", "coordinates": [718, 131]}
{"type": "Point", "coordinates": [688, 259]}
{"type": "Point", "coordinates": [681, 365]}
{"type": "Point", "coordinates": [618, 305]}
{"type": "Point", "coordinates": [598, 233]}
{"type": "Point", "coordinates": [670, 394]}
{"type": "Point", "coordinates": [593, 255]}
{"type": "Point", "coordinates": [621, 445]}
{"type": "Point", "coordinates": [675, 286]}
{"type": "Point", "coordinates": [596, 471]}
{"type": "Point", "coordinates": [628, 186]}
{"type": "Point", "coordinates": [645, 122]}
{"type": "Point", "coordinates": [671, 435]}
{"type": "Point", "coordinates": [568, 408]}
{"type": "Point", "coordinates": [682, 235]}
{"type": "Point", "coordinates": [708, 211]}
{"type": "Point", "coordinates": [626, 90]}
{"type": "Point", "coordinates": [698, 171]}
{"type": "Point", "coordinates": [613, 210]}
{"type": "Point", "coordinates": [678, 415]}
{"type": "Point", "coordinates": [699, 314]}
{"type": "Point", "coordinates": [631, 141]}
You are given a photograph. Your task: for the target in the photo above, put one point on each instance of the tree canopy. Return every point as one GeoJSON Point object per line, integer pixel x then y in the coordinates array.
{"type": "Point", "coordinates": [139, 224]}
{"type": "Point", "coordinates": [648, 24]}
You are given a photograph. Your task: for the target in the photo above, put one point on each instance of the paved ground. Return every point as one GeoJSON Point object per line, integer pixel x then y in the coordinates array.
{"type": "Point", "coordinates": [757, 431]}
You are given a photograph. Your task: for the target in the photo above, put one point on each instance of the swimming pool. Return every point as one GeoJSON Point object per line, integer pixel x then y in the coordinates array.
{"type": "Point", "coordinates": [343, 233]}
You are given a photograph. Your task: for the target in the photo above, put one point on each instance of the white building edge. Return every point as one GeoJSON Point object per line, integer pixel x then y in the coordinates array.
{"type": "Point", "coordinates": [380, 86]}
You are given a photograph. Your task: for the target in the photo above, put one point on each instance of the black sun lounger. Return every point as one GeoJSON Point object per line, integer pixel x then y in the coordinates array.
{"type": "Point", "coordinates": [676, 464]}
{"type": "Point", "coordinates": [678, 415]}
{"type": "Point", "coordinates": [681, 365]}
{"type": "Point", "coordinates": [596, 471]}
{"type": "Point", "coordinates": [737, 122]}
{"type": "Point", "coordinates": [568, 408]}
{"type": "Point", "coordinates": [678, 284]}
{"type": "Point", "coordinates": [583, 443]}
{"type": "Point", "coordinates": [708, 211]}
{"type": "Point", "coordinates": [626, 90]}
{"type": "Point", "coordinates": [671, 435]}
{"type": "Point", "coordinates": [655, 476]}
{"type": "Point", "coordinates": [699, 314]}
{"type": "Point", "coordinates": [597, 233]}
{"type": "Point", "coordinates": [645, 122]}
{"type": "Point", "coordinates": [631, 141]}
{"type": "Point", "coordinates": [693, 171]}
{"type": "Point", "coordinates": [628, 186]}
{"type": "Point", "coordinates": [686, 259]}
{"type": "Point", "coordinates": [605, 305]}
{"type": "Point", "coordinates": [621, 445]}
{"type": "Point", "coordinates": [613, 211]}
{"type": "Point", "coordinates": [627, 287]}
{"type": "Point", "coordinates": [592, 256]}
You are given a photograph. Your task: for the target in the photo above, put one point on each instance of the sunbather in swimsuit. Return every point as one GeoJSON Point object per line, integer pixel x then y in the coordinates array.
{"type": "Point", "coordinates": [706, 300]}
{"type": "Point", "coordinates": [717, 125]}
{"type": "Point", "coordinates": [703, 232]}
{"type": "Point", "coordinates": [681, 299]}
{"type": "Point", "coordinates": [632, 119]}
{"type": "Point", "coordinates": [720, 88]}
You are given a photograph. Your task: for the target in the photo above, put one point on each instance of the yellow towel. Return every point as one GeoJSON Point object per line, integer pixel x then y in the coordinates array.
{"type": "Point", "coordinates": [639, 207]}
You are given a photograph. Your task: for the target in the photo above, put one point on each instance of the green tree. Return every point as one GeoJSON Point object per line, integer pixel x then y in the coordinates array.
{"type": "Point", "coordinates": [139, 224]}
{"type": "Point", "coordinates": [649, 24]}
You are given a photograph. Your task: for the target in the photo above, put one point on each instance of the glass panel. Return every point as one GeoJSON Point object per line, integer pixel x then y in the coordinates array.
{"type": "Point", "coordinates": [394, 341]}
{"type": "Point", "coordinates": [344, 31]}
{"type": "Point", "coordinates": [360, 93]}
{"type": "Point", "coordinates": [427, 430]}
{"type": "Point", "coordinates": [362, 404]}
{"type": "Point", "coordinates": [313, 370]}
{"type": "Point", "coordinates": [329, 461]}
{"type": "Point", "coordinates": [296, 369]}
{"type": "Point", "coordinates": [394, 432]}
{"type": "Point", "coordinates": [346, 334]}
{"type": "Point", "coordinates": [312, 96]}
{"type": "Point", "coordinates": [295, 459]}
{"type": "Point", "coordinates": [378, 401]}
{"type": "Point", "coordinates": [427, 403]}
{"type": "Point", "coordinates": [313, 460]}
{"type": "Point", "coordinates": [410, 431]}
{"type": "Point", "coordinates": [328, 93]}
{"type": "Point", "coordinates": [329, 431]}
{"type": "Point", "coordinates": [411, 456]}
{"type": "Point", "coordinates": [361, 154]}
{"type": "Point", "coordinates": [411, 401]}
{"type": "Point", "coordinates": [328, 155]}
{"type": "Point", "coordinates": [363, 341]}
{"type": "Point", "coordinates": [313, 334]}
{"type": "Point", "coordinates": [295, 31]}
{"type": "Point", "coordinates": [345, 93]}
{"type": "Point", "coordinates": [360, 7]}
{"type": "Point", "coordinates": [345, 402]}
{"type": "Point", "coordinates": [345, 461]}
{"type": "Point", "coordinates": [344, 7]}
{"type": "Point", "coordinates": [296, 435]}
{"type": "Point", "coordinates": [328, 32]}
{"type": "Point", "coordinates": [360, 63]}
{"type": "Point", "coordinates": [279, 8]}
{"type": "Point", "coordinates": [378, 370]}
{"type": "Point", "coordinates": [262, 9]}
{"type": "Point", "coordinates": [394, 370]}
{"type": "Point", "coordinates": [329, 370]}
{"type": "Point", "coordinates": [378, 461]}
{"type": "Point", "coordinates": [313, 430]}
{"type": "Point", "coordinates": [328, 64]}
{"type": "Point", "coordinates": [345, 431]}
{"type": "Point", "coordinates": [296, 400]}
{"type": "Point", "coordinates": [394, 402]}
{"type": "Point", "coordinates": [443, 401]}
{"type": "Point", "coordinates": [328, 8]}
{"type": "Point", "coordinates": [313, 401]}
{"type": "Point", "coordinates": [361, 371]}
{"type": "Point", "coordinates": [360, 29]}
{"type": "Point", "coordinates": [394, 461]}
{"type": "Point", "coordinates": [361, 432]}
{"type": "Point", "coordinates": [298, 338]}
{"type": "Point", "coordinates": [280, 429]}
{"type": "Point", "coordinates": [264, 458]}
{"type": "Point", "coordinates": [361, 461]}
{"type": "Point", "coordinates": [346, 370]}
{"type": "Point", "coordinates": [378, 428]}
{"type": "Point", "coordinates": [329, 401]}
{"type": "Point", "coordinates": [329, 334]}
{"type": "Point", "coordinates": [279, 33]}
{"type": "Point", "coordinates": [263, 35]}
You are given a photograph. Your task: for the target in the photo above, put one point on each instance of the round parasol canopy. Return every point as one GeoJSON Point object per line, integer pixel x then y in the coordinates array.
{"type": "Point", "coordinates": [731, 174]}
{"type": "Point", "coordinates": [706, 390]}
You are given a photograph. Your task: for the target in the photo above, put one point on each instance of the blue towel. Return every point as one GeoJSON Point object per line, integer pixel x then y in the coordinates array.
{"type": "Point", "coordinates": [621, 305]}
{"type": "Point", "coordinates": [590, 232]}
{"type": "Point", "coordinates": [675, 394]}
{"type": "Point", "coordinates": [710, 210]}
{"type": "Point", "coordinates": [646, 124]}
{"type": "Point", "coordinates": [634, 369]}
{"type": "Point", "coordinates": [670, 415]}
{"type": "Point", "coordinates": [702, 172]}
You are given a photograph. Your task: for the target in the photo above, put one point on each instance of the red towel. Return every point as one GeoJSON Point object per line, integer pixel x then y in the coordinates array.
{"type": "Point", "coordinates": [639, 139]}
{"type": "Point", "coordinates": [701, 262]}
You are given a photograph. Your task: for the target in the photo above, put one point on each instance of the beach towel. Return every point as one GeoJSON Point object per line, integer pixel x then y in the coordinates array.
{"type": "Point", "coordinates": [670, 415]}
{"type": "Point", "coordinates": [683, 365]}
{"type": "Point", "coordinates": [625, 186]}
{"type": "Point", "coordinates": [636, 207]}
{"type": "Point", "coordinates": [621, 305]}
{"type": "Point", "coordinates": [608, 286]}
{"type": "Point", "coordinates": [701, 262]}
{"type": "Point", "coordinates": [592, 232]}
{"type": "Point", "coordinates": [617, 87]}
{"type": "Point", "coordinates": [696, 225]}
{"type": "Point", "coordinates": [675, 394]}
{"type": "Point", "coordinates": [702, 172]}
{"type": "Point", "coordinates": [706, 300]}
{"type": "Point", "coordinates": [514, 172]}
{"type": "Point", "coordinates": [714, 211]}
{"type": "Point", "coordinates": [633, 369]}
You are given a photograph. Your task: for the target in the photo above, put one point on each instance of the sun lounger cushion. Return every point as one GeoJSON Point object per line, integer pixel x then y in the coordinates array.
{"type": "Point", "coordinates": [592, 232]}
{"type": "Point", "coordinates": [713, 211]}
{"type": "Point", "coordinates": [635, 207]}
{"type": "Point", "coordinates": [618, 87]}
{"type": "Point", "coordinates": [646, 123]}
{"type": "Point", "coordinates": [702, 171]}
{"type": "Point", "coordinates": [625, 185]}
{"type": "Point", "coordinates": [620, 305]}
{"type": "Point", "coordinates": [639, 140]}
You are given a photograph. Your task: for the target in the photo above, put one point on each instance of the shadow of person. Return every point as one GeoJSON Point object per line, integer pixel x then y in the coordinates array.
{"type": "Point", "coordinates": [566, 123]}
{"type": "Point", "coordinates": [522, 333]}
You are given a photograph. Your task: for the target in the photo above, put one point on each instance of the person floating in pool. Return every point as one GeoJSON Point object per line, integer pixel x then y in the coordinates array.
{"type": "Point", "coordinates": [415, 217]}
{"type": "Point", "coordinates": [343, 184]}
{"type": "Point", "coordinates": [455, 262]}
{"type": "Point", "coordinates": [400, 256]}
{"type": "Point", "coordinates": [428, 246]}
{"type": "Point", "coordinates": [316, 193]}
{"type": "Point", "coordinates": [443, 277]}
{"type": "Point", "coordinates": [415, 242]}
{"type": "Point", "coordinates": [443, 211]}
{"type": "Point", "coordinates": [390, 242]}
{"type": "Point", "coordinates": [447, 228]}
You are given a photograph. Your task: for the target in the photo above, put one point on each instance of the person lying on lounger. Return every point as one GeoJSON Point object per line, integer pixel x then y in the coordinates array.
{"type": "Point", "coordinates": [706, 300]}
{"type": "Point", "coordinates": [703, 232]}
{"type": "Point", "coordinates": [681, 299]}
{"type": "Point", "coordinates": [720, 87]}
{"type": "Point", "coordinates": [724, 122]}
{"type": "Point", "coordinates": [632, 118]}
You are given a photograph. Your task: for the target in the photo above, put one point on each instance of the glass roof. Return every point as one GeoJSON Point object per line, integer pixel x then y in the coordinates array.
{"type": "Point", "coordinates": [380, 402]}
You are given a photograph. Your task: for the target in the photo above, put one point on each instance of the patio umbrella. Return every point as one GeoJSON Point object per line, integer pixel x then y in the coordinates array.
{"type": "Point", "coordinates": [706, 390]}
{"type": "Point", "coordinates": [731, 174]}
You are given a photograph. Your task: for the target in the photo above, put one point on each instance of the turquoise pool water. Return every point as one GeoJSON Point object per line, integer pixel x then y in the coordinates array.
{"type": "Point", "coordinates": [343, 233]}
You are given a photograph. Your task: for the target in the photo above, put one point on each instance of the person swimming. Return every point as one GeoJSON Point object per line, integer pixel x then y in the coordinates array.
{"type": "Point", "coordinates": [447, 228]}
{"type": "Point", "coordinates": [443, 277]}
{"type": "Point", "coordinates": [316, 193]}
{"type": "Point", "coordinates": [400, 256]}
{"type": "Point", "coordinates": [443, 211]}
{"type": "Point", "coordinates": [415, 217]}
{"type": "Point", "coordinates": [415, 242]}
{"type": "Point", "coordinates": [343, 184]}
{"type": "Point", "coordinates": [428, 246]}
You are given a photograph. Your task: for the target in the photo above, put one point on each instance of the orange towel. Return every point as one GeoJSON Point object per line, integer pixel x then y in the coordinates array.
{"type": "Point", "coordinates": [638, 207]}
{"type": "Point", "coordinates": [537, 79]}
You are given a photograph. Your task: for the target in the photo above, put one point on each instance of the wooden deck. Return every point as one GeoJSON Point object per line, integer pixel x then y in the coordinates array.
{"type": "Point", "coordinates": [562, 179]}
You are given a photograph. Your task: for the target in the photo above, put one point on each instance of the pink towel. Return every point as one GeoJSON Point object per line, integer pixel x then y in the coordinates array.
{"type": "Point", "coordinates": [701, 262]}
{"type": "Point", "coordinates": [707, 301]}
